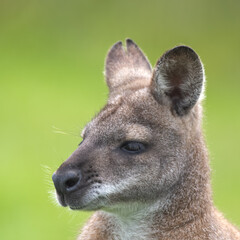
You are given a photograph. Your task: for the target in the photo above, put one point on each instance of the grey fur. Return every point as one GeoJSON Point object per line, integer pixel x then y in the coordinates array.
{"type": "Point", "coordinates": [164, 192]}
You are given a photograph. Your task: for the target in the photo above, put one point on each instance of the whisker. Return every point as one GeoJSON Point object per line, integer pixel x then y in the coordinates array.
{"type": "Point", "coordinates": [49, 184]}
{"type": "Point", "coordinates": [61, 131]}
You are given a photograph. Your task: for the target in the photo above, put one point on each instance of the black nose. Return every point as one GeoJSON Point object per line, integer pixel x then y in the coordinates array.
{"type": "Point", "coordinates": [67, 182]}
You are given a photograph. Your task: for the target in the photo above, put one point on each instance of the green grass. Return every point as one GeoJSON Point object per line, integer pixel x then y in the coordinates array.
{"type": "Point", "coordinates": [51, 62]}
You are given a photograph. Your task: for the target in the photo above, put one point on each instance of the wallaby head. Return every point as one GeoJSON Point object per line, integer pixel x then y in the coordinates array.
{"type": "Point", "coordinates": [146, 143]}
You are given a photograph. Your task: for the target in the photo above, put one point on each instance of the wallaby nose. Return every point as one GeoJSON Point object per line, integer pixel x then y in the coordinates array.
{"type": "Point", "coordinates": [67, 182]}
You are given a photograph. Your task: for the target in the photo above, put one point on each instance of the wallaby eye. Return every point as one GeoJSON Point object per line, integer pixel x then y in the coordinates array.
{"type": "Point", "coordinates": [133, 147]}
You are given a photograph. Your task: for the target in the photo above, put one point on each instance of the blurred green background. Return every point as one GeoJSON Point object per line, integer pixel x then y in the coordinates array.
{"type": "Point", "coordinates": [51, 83]}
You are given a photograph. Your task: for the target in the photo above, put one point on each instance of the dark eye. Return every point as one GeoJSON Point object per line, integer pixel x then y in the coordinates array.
{"type": "Point", "coordinates": [133, 147]}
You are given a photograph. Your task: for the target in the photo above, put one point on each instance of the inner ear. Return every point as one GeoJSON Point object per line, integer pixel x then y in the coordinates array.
{"type": "Point", "coordinates": [178, 76]}
{"type": "Point", "coordinates": [123, 67]}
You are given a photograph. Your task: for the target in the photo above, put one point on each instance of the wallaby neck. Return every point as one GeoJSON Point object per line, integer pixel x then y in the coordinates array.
{"type": "Point", "coordinates": [190, 198]}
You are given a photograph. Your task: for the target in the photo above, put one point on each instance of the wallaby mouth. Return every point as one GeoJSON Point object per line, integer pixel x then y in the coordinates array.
{"type": "Point", "coordinates": [72, 198]}
{"type": "Point", "coordinates": [75, 187]}
{"type": "Point", "coordinates": [67, 182]}
{"type": "Point", "coordinates": [61, 200]}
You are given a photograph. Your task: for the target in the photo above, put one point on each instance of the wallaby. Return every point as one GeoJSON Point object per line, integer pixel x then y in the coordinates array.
{"type": "Point", "coordinates": [143, 163]}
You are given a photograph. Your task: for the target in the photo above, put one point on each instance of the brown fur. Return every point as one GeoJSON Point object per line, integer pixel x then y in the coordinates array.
{"type": "Point", "coordinates": [162, 192]}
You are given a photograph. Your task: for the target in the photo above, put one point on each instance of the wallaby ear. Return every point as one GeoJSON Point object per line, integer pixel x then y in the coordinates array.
{"type": "Point", "coordinates": [179, 77]}
{"type": "Point", "coordinates": [122, 66]}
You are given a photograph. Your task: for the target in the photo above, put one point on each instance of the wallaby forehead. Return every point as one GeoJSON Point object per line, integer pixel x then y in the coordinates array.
{"type": "Point", "coordinates": [133, 115]}
{"type": "Point", "coordinates": [125, 107]}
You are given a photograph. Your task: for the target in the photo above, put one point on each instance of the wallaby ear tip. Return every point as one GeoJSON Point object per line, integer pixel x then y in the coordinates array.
{"type": "Point", "coordinates": [117, 45]}
{"type": "Point", "coordinates": [183, 46]}
{"type": "Point", "coordinates": [129, 41]}
{"type": "Point", "coordinates": [130, 44]}
{"type": "Point", "coordinates": [116, 48]}
{"type": "Point", "coordinates": [182, 50]}
{"type": "Point", "coordinates": [188, 49]}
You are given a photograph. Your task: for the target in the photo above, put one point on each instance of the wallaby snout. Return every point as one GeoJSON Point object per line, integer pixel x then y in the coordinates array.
{"type": "Point", "coordinates": [76, 176]}
{"type": "Point", "coordinates": [67, 182]}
